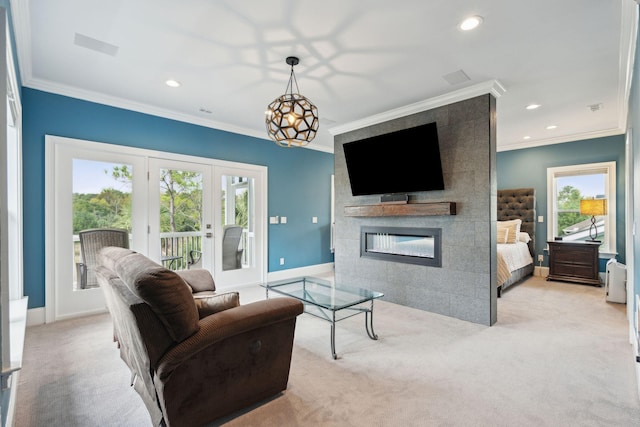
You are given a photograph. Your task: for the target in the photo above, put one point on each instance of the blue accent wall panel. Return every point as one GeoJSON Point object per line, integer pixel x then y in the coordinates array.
{"type": "Point", "coordinates": [299, 179]}
{"type": "Point", "coordinates": [528, 168]}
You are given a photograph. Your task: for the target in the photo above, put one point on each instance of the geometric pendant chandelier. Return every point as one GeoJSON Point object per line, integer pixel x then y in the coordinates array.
{"type": "Point", "coordinates": [291, 119]}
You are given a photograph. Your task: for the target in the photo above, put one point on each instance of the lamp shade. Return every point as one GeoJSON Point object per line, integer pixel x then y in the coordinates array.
{"type": "Point", "coordinates": [593, 207]}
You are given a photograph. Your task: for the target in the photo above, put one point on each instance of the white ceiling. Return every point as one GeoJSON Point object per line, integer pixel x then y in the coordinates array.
{"type": "Point", "coordinates": [358, 59]}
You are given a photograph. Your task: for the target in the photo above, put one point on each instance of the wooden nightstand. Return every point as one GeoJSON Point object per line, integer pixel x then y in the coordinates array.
{"type": "Point", "coordinates": [574, 262]}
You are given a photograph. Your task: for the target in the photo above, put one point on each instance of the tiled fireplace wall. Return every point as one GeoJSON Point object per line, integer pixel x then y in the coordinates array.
{"type": "Point", "coordinates": [461, 288]}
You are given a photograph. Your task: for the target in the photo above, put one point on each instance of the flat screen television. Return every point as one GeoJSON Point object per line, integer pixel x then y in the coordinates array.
{"type": "Point", "coordinates": [404, 161]}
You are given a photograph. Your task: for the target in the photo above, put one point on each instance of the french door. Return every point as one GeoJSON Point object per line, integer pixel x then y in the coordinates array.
{"type": "Point", "coordinates": [180, 215]}
{"type": "Point", "coordinates": [191, 208]}
{"type": "Point", "coordinates": [91, 189]}
{"type": "Point", "coordinates": [241, 199]}
{"type": "Point", "coordinates": [177, 210]}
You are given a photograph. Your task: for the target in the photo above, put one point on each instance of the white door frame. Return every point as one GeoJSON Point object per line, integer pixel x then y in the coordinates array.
{"type": "Point", "coordinates": [55, 230]}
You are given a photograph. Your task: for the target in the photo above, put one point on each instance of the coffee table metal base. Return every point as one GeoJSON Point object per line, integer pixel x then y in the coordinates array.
{"type": "Point", "coordinates": [331, 318]}
{"type": "Point", "coordinates": [328, 301]}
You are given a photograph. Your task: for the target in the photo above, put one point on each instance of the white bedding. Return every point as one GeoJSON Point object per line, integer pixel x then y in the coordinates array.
{"type": "Point", "coordinates": [511, 257]}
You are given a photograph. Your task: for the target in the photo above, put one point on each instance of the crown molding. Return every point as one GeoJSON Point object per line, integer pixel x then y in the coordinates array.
{"type": "Point", "coordinates": [628, 38]}
{"type": "Point", "coordinates": [492, 87]}
{"type": "Point", "coordinates": [99, 98]}
{"type": "Point", "coordinates": [561, 139]}
{"type": "Point", "coordinates": [126, 104]}
{"type": "Point", "coordinates": [20, 19]}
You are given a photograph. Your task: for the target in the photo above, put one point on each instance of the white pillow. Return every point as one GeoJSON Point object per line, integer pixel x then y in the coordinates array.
{"type": "Point", "coordinates": [523, 236]}
{"type": "Point", "coordinates": [514, 228]}
{"type": "Point", "coordinates": [503, 234]}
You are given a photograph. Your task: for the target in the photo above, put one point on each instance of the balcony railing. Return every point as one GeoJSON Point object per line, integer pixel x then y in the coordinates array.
{"type": "Point", "coordinates": [176, 247]}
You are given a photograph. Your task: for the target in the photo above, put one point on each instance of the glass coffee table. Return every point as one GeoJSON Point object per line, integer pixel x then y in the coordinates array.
{"type": "Point", "coordinates": [328, 301]}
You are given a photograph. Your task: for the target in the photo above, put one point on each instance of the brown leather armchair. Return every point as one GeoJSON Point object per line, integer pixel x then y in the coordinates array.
{"type": "Point", "coordinates": [195, 355]}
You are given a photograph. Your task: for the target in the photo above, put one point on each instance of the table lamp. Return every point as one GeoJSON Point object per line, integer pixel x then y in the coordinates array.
{"type": "Point", "coordinates": [593, 207]}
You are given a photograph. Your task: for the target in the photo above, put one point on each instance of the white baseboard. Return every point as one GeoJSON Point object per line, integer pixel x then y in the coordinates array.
{"type": "Point", "coordinates": [541, 271]}
{"type": "Point", "coordinates": [312, 270]}
{"type": "Point", "coordinates": [36, 316]}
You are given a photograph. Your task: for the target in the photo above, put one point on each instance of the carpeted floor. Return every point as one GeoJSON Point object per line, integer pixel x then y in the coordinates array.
{"type": "Point", "coordinates": [558, 356]}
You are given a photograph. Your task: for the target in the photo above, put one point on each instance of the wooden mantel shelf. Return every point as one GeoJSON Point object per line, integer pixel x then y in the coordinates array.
{"type": "Point", "coordinates": [403, 209]}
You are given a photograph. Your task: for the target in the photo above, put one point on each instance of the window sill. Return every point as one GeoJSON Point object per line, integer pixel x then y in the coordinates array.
{"type": "Point", "coordinates": [607, 255]}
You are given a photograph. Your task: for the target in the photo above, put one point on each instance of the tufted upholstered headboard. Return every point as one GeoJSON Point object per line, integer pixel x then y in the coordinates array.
{"type": "Point", "coordinates": [520, 203]}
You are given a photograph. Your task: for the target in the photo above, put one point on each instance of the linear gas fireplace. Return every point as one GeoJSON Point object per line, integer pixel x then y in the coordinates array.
{"type": "Point", "coordinates": [410, 245]}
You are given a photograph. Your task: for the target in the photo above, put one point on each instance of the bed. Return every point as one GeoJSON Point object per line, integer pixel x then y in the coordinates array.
{"type": "Point", "coordinates": [515, 259]}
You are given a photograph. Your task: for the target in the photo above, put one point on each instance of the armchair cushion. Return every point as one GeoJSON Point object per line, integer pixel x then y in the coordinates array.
{"type": "Point", "coordinates": [167, 294]}
{"type": "Point", "coordinates": [199, 279]}
{"type": "Point", "coordinates": [210, 304]}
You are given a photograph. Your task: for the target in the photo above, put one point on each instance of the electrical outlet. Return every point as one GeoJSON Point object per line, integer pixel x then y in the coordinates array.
{"type": "Point", "coordinates": [540, 258]}
{"type": "Point", "coordinates": [281, 261]}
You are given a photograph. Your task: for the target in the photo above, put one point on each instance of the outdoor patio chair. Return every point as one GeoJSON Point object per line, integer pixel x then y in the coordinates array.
{"type": "Point", "coordinates": [91, 241]}
{"type": "Point", "coordinates": [195, 259]}
{"type": "Point", "coordinates": [231, 252]}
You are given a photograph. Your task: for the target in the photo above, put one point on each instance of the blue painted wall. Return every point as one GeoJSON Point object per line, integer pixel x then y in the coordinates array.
{"type": "Point", "coordinates": [528, 168]}
{"type": "Point", "coordinates": [299, 179]}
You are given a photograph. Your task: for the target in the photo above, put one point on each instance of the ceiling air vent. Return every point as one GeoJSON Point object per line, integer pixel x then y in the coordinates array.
{"type": "Point", "coordinates": [456, 77]}
{"type": "Point", "coordinates": [95, 44]}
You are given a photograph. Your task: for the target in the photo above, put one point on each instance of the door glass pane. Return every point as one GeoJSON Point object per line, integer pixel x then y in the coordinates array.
{"type": "Point", "coordinates": [237, 204]}
{"type": "Point", "coordinates": [180, 218]}
{"type": "Point", "coordinates": [101, 199]}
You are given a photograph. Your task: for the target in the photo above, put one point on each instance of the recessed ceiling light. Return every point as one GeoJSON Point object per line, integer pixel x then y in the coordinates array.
{"type": "Point", "coordinates": [172, 83]}
{"type": "Point", "coordinates": [552, 127]}
{"type": "Point", "coordinates": [470, 23]}
{"type": "Point", "coordinates": [533, 106]}
{"type": "Point", "coordinates": [526, 137]}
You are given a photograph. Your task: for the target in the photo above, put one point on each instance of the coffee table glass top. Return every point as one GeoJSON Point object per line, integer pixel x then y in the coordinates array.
{"type": "Point", "coordinates": [322, 293]}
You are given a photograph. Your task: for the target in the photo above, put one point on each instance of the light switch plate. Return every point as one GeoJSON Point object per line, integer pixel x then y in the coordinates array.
{"type": "Point", "coordinates": [314, 219]}
{"type": "Point", "coordinates": [283, 220]}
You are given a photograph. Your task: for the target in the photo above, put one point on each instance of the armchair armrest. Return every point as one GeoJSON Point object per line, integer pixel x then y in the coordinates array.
{"type": "Point", "coordinates": [229, 323]}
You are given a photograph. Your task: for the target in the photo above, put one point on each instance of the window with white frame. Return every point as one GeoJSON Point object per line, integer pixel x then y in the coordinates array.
{"type": "Point", "coordinates": [567, 186]}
